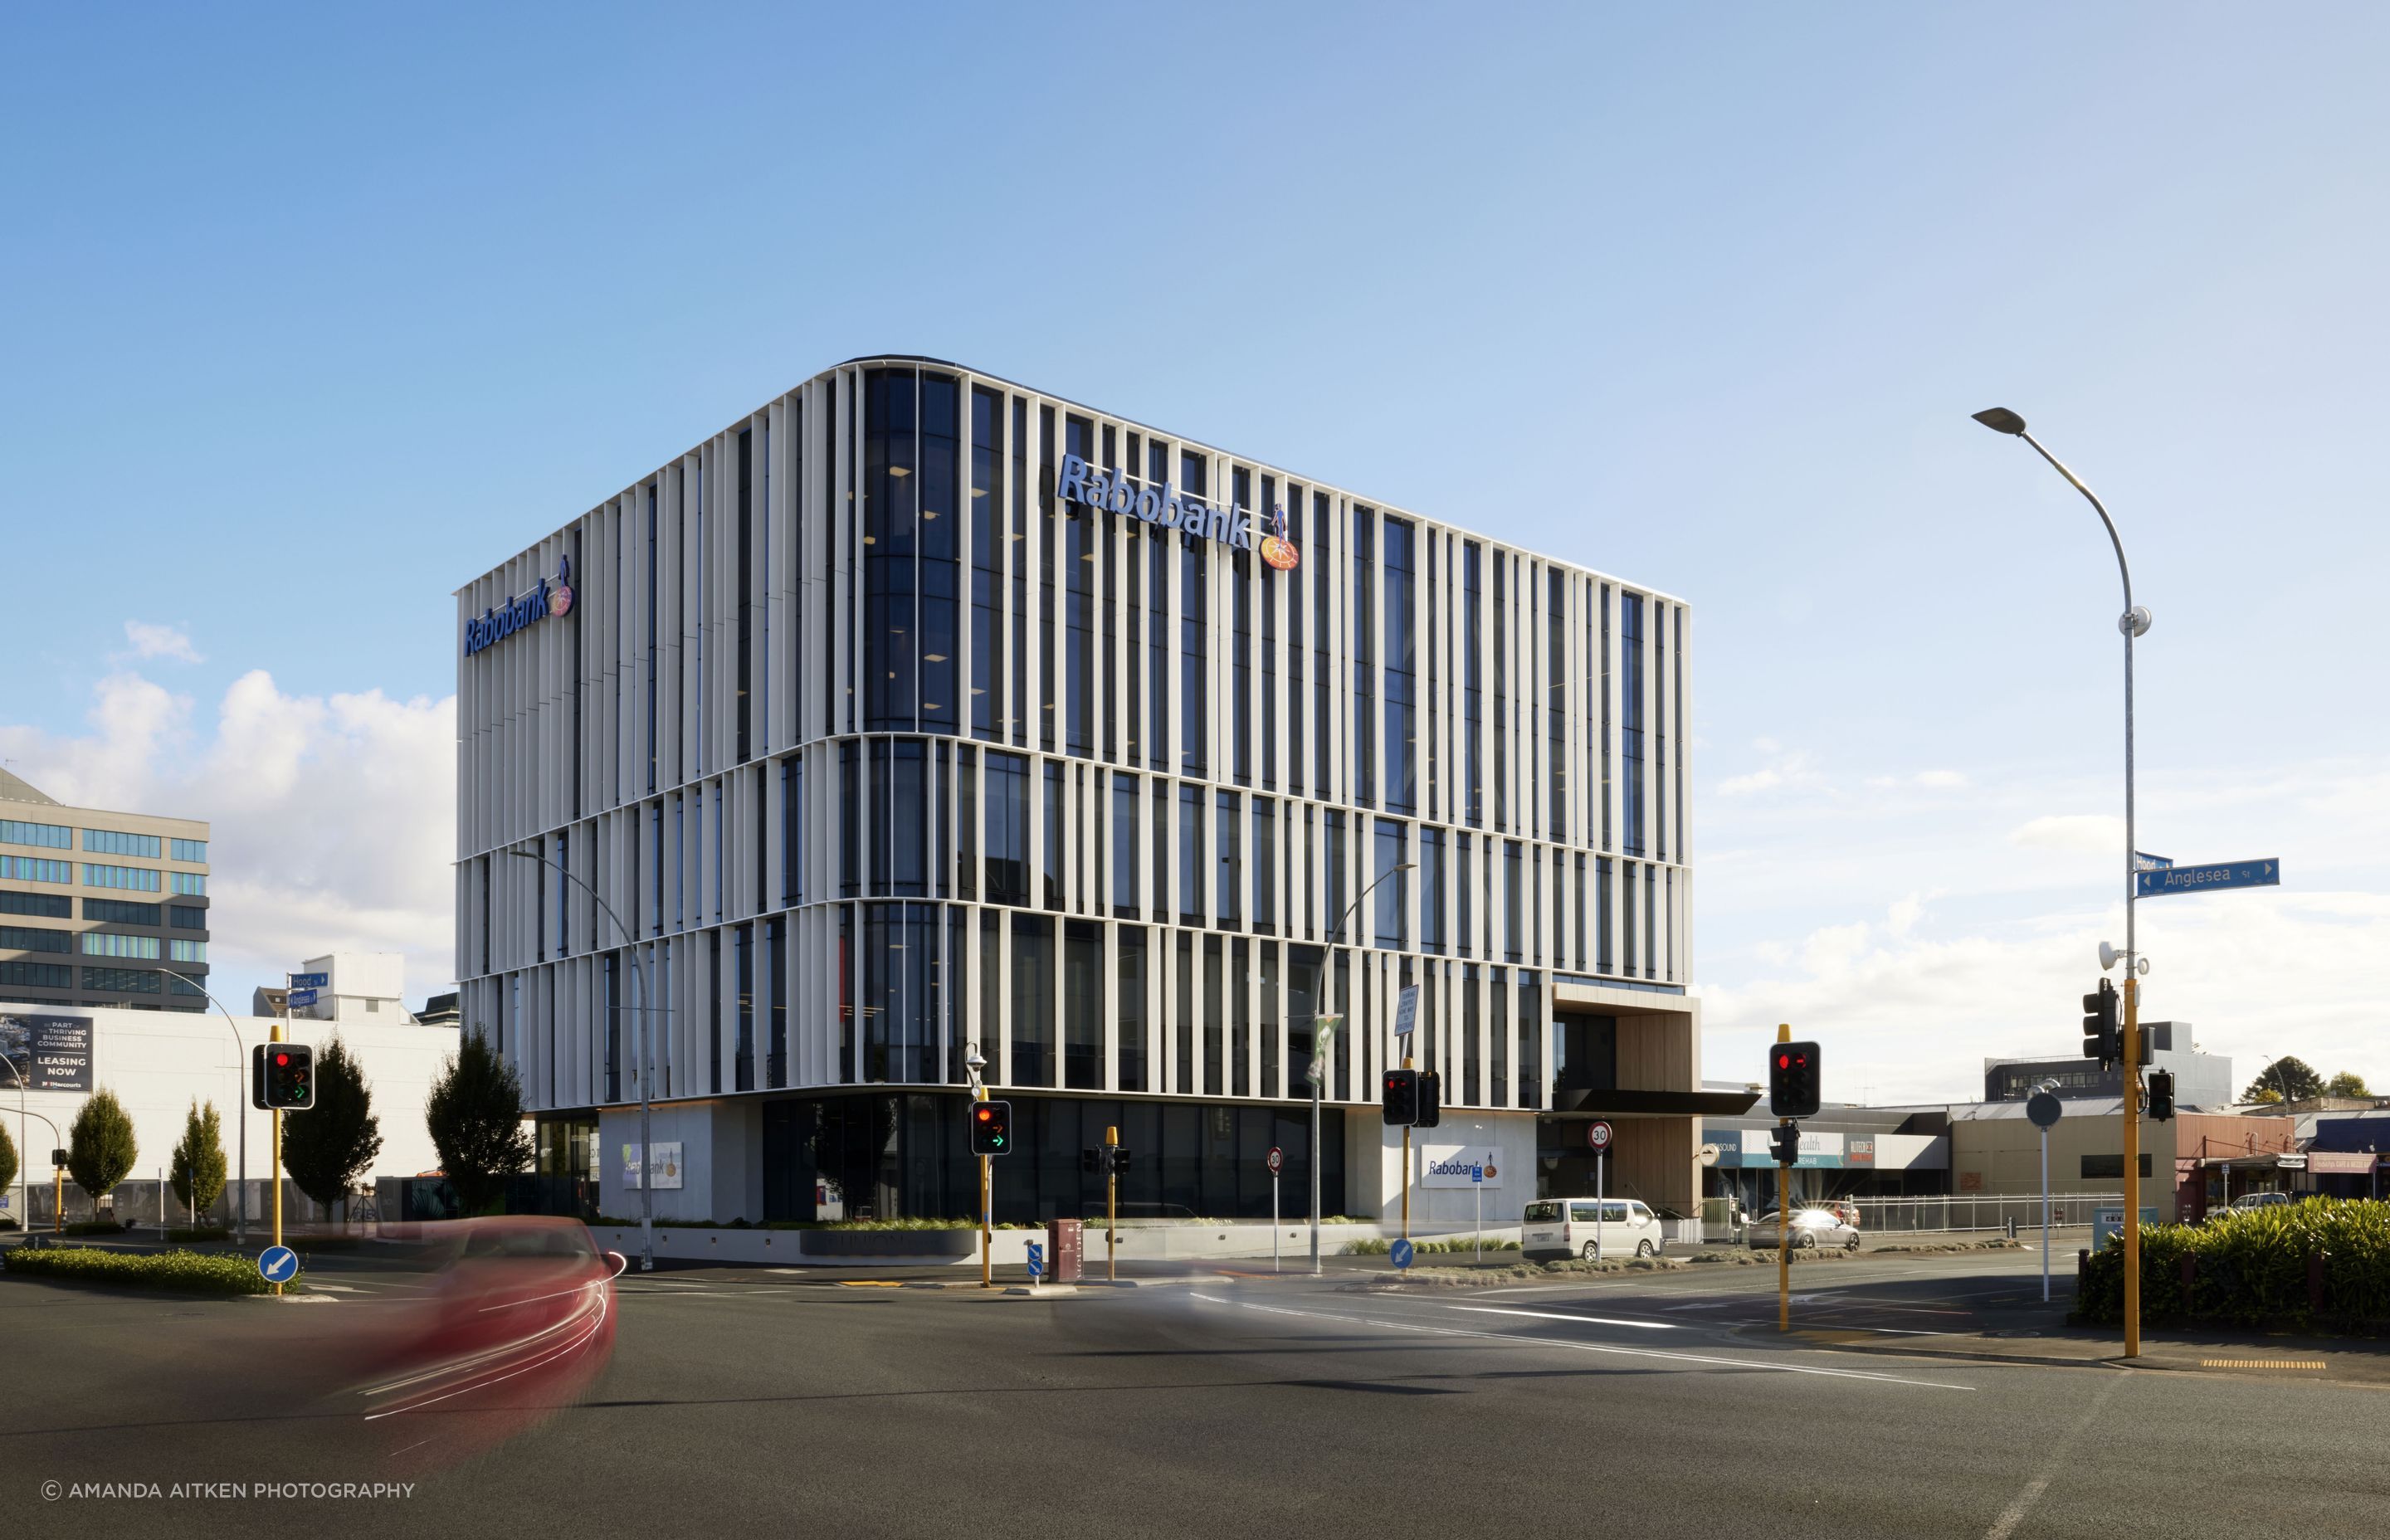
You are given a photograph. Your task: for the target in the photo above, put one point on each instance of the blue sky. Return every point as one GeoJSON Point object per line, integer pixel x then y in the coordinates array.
{"type": "Point", "coordinates": [315, 315]}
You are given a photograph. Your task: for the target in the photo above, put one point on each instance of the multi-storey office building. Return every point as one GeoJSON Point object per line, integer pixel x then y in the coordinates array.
{"type": "Point", "coordinates": [99, 907]}
{"type": "Point", "coordinates": [920, 711]}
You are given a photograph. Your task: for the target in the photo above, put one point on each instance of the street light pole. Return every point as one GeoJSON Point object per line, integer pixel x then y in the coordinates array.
{"type": "Point", "coordinates": [25, 1191]}
{"type": "Point", "coordinates": [2133, 623]}
{"type": "Point", "coordinates": [640, 990]}
{"type": "Point", "coordinates": [1318, 1075]}
{"type": "Point", "coordinates": [241, 1111]}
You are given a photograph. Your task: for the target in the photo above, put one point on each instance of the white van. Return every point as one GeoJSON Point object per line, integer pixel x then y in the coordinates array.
{"type": "Point", "coordinates": [1566, 1227]}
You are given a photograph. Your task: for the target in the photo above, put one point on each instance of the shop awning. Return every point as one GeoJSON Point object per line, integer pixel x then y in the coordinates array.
{"type": "Point", "coordinates": [1652, 1104]}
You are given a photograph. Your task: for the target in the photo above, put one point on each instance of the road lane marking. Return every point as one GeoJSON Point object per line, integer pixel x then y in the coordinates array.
{"type": "Point", "coordinates": [1519, 1338]}
{"type": "Point", "coordinates": [1556, 1316]}
{"type": "Point", "coordinates": [2258, 1364]}
{"type": "Point", "coordinates": [2013, 1515]}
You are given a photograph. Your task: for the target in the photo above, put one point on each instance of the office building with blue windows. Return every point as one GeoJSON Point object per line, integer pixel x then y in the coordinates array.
{"type": "Point", "coordinates": [99, 907]}
{"type": "Point", "coordinates": [920, 712]}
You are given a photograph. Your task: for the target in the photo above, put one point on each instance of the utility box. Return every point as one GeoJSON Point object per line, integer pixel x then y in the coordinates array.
{"type": "Point", "coordinates": [1064, 1238]}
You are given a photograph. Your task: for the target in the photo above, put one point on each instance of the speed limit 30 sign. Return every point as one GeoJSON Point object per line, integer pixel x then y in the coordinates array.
{"type": "Point", "coordinates": [1597, 1136]}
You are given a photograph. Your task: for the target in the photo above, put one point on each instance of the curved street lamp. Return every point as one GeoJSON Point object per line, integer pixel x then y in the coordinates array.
{"type": "Point", "coordinates": [640, 990]}
{"type": "Point", "coordinates": [24, 1192]}
{"type": "Point", "coordinates": [2134, 624]}
{"type": "Point", "coordinates": [1316, 1075]}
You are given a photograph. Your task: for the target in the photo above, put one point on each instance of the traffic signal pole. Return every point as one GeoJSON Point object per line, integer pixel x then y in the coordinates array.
{"type": "Point", "coordinates": [1409, 1063]}
{"type": "Point", "coordinates": [1112, 1204]}
{"type": "Point", "coordinates": [1784, 1224]}
{"type": "Point", "coordinates": [2132, 1114]}
{"type": "Point", "coordinates": [276, 1170]}
{"type": "Point", "coordinates": [986, 1271]}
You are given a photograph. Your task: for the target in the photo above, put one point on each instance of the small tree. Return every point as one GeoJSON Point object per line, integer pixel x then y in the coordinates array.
{"type": "Point", "coordinates": [474, 1115]}
{"type": "Point", "coordinates": [101, 1151]}
{"type": "Point", "coordinates": [9, 1163]}
{"type": "Point", "coordinates": [2290, 1080]}
{"type": "Point", "coordinates": [198, 1171]}
{"type": "Point", "coordinates": [327, 1148]}
{"type": "Point", "coordinates": [2348, 1083]}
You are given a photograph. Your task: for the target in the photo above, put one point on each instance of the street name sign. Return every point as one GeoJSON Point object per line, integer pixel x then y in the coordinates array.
{"type": "Point", "coordinates": [311, 980]}
{"type": "Point", "coordinates": [301, 997]}
{"type": "Point", "coordinates": [2266, 873]}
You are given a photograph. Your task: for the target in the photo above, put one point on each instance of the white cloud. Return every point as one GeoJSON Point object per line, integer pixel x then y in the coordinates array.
{"type": "Point", "coordinates": [1913, 1015]}
{"type": "Point", "coordinates": [160, 641]}
{"type": "Point", "coordinates": [331, 817]}
{"type": "Point", "coordinates": [1928, 780]}
{"type": "Point", "coordinates": [1789, 769]}
{"type": "Point", "coordinates": [2077, 833]}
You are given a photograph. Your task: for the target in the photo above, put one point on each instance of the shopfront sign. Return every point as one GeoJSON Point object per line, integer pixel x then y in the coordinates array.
{"type": "Point", "coordinates": [1165, 506]}
{"type": "Point", "coordinates": [522, 612]}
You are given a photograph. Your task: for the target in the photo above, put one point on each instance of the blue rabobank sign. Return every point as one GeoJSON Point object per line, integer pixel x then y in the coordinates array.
{"type": "Point", "coordinates": [500, 621]}
{"type": "Point", "coordinates": [1163, 506]}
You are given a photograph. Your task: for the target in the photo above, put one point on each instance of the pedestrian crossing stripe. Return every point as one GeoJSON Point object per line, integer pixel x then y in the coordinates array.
{"type": "Point", "coordinates": [2257, 1364]}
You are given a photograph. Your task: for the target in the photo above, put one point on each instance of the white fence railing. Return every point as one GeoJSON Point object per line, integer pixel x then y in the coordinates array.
{"type": "Point", "coordinates": [1979, 1211]}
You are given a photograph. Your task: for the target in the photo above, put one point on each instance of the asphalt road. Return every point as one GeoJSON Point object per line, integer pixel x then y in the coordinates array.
{"type": "Point", "coordinates": [1920, 1396]}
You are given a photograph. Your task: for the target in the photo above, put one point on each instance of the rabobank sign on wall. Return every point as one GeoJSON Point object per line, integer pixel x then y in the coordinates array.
{"type": "Point", "coordinates": [1164, 506]}
{"type": "Point", "coordinates": [1460, 1166]}
{"type": "Point", "coordinates": [522, 612]}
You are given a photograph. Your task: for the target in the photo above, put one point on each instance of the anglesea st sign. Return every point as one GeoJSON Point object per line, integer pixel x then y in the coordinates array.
{"type": "Point", "coordinates": [525, 609]}
{"type": "Point", "coordinates": [1166, 506]}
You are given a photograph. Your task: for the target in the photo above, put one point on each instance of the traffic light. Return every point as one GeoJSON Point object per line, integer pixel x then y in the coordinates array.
{"type": "Point", "coordinates": [2160, 1095]}
{"type": "Point", "coordinates": [1091, 1162]}
{"type": "Point", "coordinates": [1119, 1153]}
{"type": "Point", "coordinates": [991, 1126]}
{"type": "Point", "coordinates": [282, 1076]}
{"type": "Point", "coordinates": [1430, 1099]}
{"type": "Point", "coordinates": [1793, 1080]}
{"type": "Point", "coordinates": [1402, 1097]}
{"type": "Point", "coordinates": [2102, 1039]}
{"type": "Point", "coordinates": [1784, 1143]}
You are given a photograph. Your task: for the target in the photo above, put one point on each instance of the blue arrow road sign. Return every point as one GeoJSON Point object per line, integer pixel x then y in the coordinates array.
{"type": "Point", "coordinates": [299, 998]}
{"type": "Point", "coordinates": [1400, 1253]}
{"type": "Point", "coordinates": [2223, 874]}
{"type": "Point", "coordinates": [277, 1264]}
{"type": "Point", "coordinates": [311, 980]}
{"type": "Point", "coordinates": [1036, 1260]}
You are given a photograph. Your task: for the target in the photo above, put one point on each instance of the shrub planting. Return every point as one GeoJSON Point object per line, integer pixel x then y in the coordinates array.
{"type": "Point", "coordinates": [2252, 1268]}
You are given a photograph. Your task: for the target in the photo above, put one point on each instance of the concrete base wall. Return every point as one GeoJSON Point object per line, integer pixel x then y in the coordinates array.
{"type": "Point", "coordinates": [1007, 1247]}
{"type": "Point", "coordinates": [1373, 1168]}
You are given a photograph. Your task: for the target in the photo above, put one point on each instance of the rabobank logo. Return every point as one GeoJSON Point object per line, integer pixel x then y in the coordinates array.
{"type": "Point", "coordinates": [522, 612]}
{"type": "Point", "coordinates": [1163, 506]}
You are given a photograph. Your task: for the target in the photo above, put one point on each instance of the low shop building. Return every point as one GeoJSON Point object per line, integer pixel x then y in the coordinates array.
{"type": "Point", "coordinates": [157, 1064]}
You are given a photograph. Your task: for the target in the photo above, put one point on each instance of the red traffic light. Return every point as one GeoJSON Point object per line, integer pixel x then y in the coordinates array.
{"type": "Point", "coordinates": [985, 1113]}
{"type": "Point", "coordinates": [1784, 1061]}
{"type": "Point", "coordinates": [281, 1059]}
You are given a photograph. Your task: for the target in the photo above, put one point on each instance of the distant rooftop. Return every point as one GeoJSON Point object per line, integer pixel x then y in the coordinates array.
{"type": "Point", "coordinates": [15, 788]}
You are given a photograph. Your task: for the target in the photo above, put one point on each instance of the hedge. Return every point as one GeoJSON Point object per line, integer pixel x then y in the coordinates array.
{"type": "Point", "coordinates": [2251, 1269]}
{"type": "Point", "coordinates": [183, 1272]}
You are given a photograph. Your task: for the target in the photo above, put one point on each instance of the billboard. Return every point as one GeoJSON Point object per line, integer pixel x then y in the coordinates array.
{"type": "Point", "coordinates": [48, 1053]}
